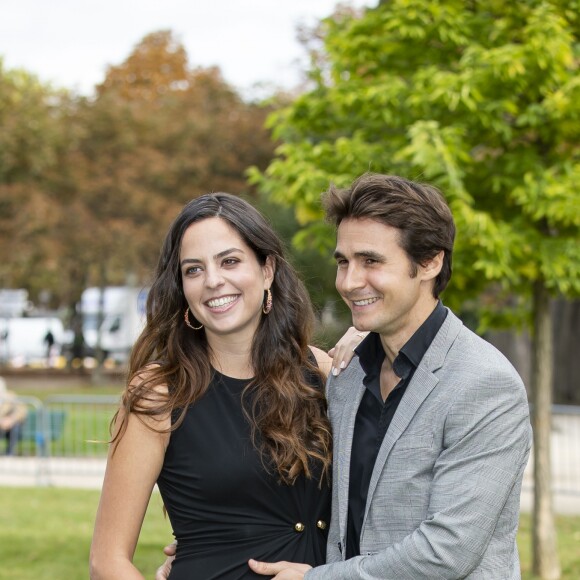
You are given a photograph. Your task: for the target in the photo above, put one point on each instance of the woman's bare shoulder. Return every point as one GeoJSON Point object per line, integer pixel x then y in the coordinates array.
{"type": "Point", "coordinates": [146, 375]}
{"type": "Point", "coordinates": [322, 359]}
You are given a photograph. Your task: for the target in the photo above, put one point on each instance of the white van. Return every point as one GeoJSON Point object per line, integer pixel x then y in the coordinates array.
{"type": "Point", "coordinates": [23, 341]}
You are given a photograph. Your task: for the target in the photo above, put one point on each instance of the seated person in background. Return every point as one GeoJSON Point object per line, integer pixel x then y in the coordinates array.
{"type": "Point", "coordinates": [12, 416]}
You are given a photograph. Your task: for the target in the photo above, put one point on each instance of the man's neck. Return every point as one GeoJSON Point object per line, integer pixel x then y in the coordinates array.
{"type": "Point", "coordinates": [394, 341]}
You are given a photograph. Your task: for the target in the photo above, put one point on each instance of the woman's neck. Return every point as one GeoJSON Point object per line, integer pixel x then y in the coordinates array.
{"type": "Point", "coordinates": [230, 357]}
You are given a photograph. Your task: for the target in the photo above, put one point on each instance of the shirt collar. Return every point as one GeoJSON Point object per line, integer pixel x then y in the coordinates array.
{"type": "Point", "coordinates": [371, 353]}
{"type": "Point", "coordinates": [416, 347]}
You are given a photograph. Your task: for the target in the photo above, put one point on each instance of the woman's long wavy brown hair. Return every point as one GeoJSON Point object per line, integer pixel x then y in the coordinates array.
{"type": "Point", "coordinates": [287, 414]}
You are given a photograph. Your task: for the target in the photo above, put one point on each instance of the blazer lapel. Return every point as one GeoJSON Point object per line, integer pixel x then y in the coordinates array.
{"type": "Point", "coordinates": [422, 383]}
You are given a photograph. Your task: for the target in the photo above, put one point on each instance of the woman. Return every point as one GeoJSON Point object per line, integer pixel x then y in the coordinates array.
{"type": "Point", "coordinates": [224, 407]}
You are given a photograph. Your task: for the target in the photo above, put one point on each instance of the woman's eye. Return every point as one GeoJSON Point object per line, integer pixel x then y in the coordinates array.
{"type": "Point", "coordinates": [230, 261]}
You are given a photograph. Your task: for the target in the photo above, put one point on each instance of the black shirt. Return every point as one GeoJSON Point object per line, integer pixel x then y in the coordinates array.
{"type": "Point", "coordinates": [374, 416]}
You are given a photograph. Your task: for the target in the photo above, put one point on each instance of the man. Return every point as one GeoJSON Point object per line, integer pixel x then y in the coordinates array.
{"type": "Point", "coordinates": [431, 425]}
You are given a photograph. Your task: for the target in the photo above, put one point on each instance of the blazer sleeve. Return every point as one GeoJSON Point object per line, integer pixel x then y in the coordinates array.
{"type": "Point", "coordinates": [487, 439]}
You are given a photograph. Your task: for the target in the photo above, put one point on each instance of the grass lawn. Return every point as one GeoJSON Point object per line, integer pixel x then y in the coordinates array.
{"type": "Point", "coordinates": [568, 546]}
{"type": "Point", "coordinates": [45, 535]}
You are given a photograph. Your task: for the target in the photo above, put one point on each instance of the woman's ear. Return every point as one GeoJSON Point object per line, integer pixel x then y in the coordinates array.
{"type": "Point", "coordinates": [269, 269]}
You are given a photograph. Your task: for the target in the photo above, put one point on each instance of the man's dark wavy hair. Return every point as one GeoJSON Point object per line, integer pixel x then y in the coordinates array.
{"type": "Point", "coordinates": [419, 211]}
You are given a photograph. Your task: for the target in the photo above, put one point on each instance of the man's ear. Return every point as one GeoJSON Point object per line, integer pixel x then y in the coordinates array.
{"type": "Point", "coordinates": [431, 269]}
{"type": "Point", "coordinates": [269, 269]}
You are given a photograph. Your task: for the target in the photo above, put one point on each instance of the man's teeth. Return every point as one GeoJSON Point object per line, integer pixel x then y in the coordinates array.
{"type": "Point", "coordinates": [221, 301]}
{"type": "Point", "coordinates": [365, 302]}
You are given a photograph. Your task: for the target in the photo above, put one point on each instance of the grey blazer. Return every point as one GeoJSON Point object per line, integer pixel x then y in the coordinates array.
{"type": "Point", "coordinates": [443, 499]}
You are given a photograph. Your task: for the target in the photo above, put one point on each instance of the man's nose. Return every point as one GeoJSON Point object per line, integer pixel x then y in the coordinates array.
{"type": "Point", "coordinates": [352, 279]}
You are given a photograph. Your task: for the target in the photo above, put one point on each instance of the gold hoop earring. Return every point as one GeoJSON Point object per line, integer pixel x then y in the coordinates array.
{"type": "Point", "coordinates": [186, 318]}
{"type": "Point", "coordinates": [268, 304]}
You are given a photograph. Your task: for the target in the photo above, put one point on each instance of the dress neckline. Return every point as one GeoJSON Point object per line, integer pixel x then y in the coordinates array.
{"type": "Point", "coordinates": [221, 375]}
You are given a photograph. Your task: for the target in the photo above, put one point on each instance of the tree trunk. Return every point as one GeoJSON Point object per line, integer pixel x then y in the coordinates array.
{"type": "Point", "coordinates": [545, 555]}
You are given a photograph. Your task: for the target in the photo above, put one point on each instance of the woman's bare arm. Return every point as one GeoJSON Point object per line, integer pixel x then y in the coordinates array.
{"type": "Point", "coordinates": [133, 466]}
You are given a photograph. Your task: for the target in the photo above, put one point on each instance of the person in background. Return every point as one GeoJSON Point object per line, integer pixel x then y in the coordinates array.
{"type": "Point", "coordinates": [224, 407]}
{"type": "Point", "coordinates": [430, 422]}
{"type": "Point", "coordinates": [49, 341]}
{"type": "Point", "coordinates": [12, 415]}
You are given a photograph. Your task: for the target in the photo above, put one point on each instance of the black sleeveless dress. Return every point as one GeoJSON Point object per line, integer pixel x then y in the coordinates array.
{"type": "Point", "coordinates": [224, 506]}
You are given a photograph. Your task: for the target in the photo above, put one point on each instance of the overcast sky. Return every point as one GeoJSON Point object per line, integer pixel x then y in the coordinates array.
{"type": "Point", "coordinates": [71, 42]}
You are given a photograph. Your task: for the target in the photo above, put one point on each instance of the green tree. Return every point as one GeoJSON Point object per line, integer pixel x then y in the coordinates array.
{"type": "Point", "coordinates": [483, 99]}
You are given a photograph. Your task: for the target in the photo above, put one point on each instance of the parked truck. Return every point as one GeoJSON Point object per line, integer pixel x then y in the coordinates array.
{"type": "Point", "coordinates": [115, 315]}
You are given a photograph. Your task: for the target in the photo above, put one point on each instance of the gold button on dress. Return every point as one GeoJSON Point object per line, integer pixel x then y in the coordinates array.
{"type": "Point", "coordinates": [299, 527]}
{"type": "Point", "coordinates": [321, 524]}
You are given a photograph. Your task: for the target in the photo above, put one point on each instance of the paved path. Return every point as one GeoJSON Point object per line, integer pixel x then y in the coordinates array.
{"type": "Point", "coordinates": [88, 474]}
{"type": "Point", "coordinates": [81, 473]}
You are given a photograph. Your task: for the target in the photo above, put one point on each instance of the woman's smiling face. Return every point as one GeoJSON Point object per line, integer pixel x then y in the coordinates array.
{"type": "Point", "coordinates": [222, 280]}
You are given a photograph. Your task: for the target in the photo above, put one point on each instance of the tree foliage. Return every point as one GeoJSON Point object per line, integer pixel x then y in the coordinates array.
{"type": "Point", "coordinates": [158, 134]}
{"type": "Point", "coordinates": [483, 99]}
{"type": "Point", "coordinates": [88, 186]}
{"type": "Point", "coordinates": [31, 136]}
